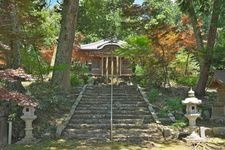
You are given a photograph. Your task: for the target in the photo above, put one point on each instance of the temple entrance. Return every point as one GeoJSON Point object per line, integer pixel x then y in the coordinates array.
{"type": "Point", "coordinates": [111, 66]}
{"type": "Point", "coordinates": [101, 59]}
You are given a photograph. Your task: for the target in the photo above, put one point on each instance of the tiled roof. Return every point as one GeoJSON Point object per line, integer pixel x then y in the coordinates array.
{"type": "Point", "coordinates": [101, 44]}
{"type": "Point", "coordinates": [218, 79]}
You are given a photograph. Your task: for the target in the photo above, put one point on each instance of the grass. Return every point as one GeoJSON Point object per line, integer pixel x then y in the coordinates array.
{"type": "Point", "coordinates": [65, 144]}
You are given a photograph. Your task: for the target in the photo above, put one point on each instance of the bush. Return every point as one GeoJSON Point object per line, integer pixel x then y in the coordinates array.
{"type": "Point", "coordinates": [79, 74]}
{"type": "Point", "coordinates": [74, 79]}
{"type": "Point", "coordinates": [153, 94]}
{"type": "Point", "coordinates": [179, 124]}
{"type": "Point", "coordinates": [187, 80]}
{"type": "Point", "coordinates": [33, 63]}
{"type": "Point", "coordinates": [174, 104]}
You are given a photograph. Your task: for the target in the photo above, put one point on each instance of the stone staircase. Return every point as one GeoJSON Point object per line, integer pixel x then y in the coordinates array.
{"type": "Point", "coordinates": [132, 120]}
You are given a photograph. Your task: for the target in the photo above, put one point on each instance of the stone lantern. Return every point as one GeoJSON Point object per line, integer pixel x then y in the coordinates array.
{"type": "Point", "coordinates": [191, 108]}
{"type": "Point", "coordinates": [28, 117]}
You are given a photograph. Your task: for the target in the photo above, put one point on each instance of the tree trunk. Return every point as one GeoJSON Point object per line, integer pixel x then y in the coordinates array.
{"type": "Point", "coordinates": [61, 77]}
{"type": "Point", "coordinates": [206, 62]}
{"type": "Point", "coordinates": [197, 31]}
{"type": "Point", "coordinates": [13, 57]}
{"type": "Point", "coordinates": [186, 65]}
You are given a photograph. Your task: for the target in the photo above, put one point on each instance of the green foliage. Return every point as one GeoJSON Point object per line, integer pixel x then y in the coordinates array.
{"type": "Point", "coordinates": [139, 51]}
{"type": "Point", "coordinates": [100, 20]}
{"type": "Point", "coordinates": [79, 74]}
{"type": "Point", "coordinates": [161, 13]}
{"type": "Point", "coordinates": [47, 32]}
{"type": "Point", "coordinates": [13, 112]}
{"type": "Point", "coordinates": [219, 53]}
{"type": "Point", "coordinates": [153, 95]}
{"type": "Point", "coordinates": [179, 124]}
{"type": "Point", "coordinates": [136, 46]}
{"type": "Point", "coordinates": [173, 105]}
{"type": "Point", "coordinates": [75, 80]}
{"type": "Point", "coordinates": [33, 62]}
{"type": "Point", "coordinates": [187, 80]}
{"type": "Point", "coordinates": [139, 71]}
{"type": "Point", "coordinates": [184, 68]}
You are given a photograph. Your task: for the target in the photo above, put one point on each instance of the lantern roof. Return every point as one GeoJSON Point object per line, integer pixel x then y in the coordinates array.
{"type": "Point", "coordinates": [191, 98]}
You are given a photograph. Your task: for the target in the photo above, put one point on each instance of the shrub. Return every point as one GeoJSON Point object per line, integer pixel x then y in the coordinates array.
{"type": "Point", "coordinates": [153, 94]}
{"type": "Point", "coordinates": [179, 124]}
{"type": "Point", "coordinates": [174, 104]}
{"type": "Point", "coordinates": [187, 80]}
{"type": "Point", "coordinates": [74, 79]}
{"type": "Point", "coordinates": [79, 74]}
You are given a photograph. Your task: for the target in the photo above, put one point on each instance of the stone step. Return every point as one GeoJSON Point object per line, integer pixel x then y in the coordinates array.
{"type": "Point", "coordinates": [137, 103]}
{"type": "Point", "coordinates": [86, 131]}
{"type": "Point", "coordinates": [137, 138]}
{"type": "Point", "coordinates": [87, 136]}
{"type": "Point", "coordinates": [116, 133]}
{"type": "Point", "coordinates": [109, 99]}
{"type": "Point", "coordinates": [109, 95]}
{"type": "Point", "coordinates": [122, 112]}
{"type": "Point", "coordinates": [131, 117]}
{"type": "Point", "coordinates": [107, 126]}
{"type": "Point", "coordinates": [114, 108]}
{"type": "Point", "coordinates": [107, 121]}
{"type": "Point", "coordinates": [105, 116]}
{"type": "Point", "coordinates": [117, 104]}
{"type": "Point", "coordinates": [135, 131]}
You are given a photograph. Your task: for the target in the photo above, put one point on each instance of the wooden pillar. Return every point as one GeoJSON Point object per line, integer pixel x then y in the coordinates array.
{"type": "Point", "coordinates": [120, 66]}
{"type": "Point", "coordinates": [117, 68]}
{"type": "Point", "coordinates": [106, 68]}
{"type": "Point", "coordinates": [102, 65]}
{"type": "Point", "coordinates": [112, 69]}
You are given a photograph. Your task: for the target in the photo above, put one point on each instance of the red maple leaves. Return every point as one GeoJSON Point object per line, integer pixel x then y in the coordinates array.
{"type": "Point", "coordinates": [12, 75]}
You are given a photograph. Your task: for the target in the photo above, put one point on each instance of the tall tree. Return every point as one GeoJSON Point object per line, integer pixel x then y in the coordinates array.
{"type": "Point", "coordinates": [104, 19]}
{"type": "Point", "coordinates": [10, 24]}
{"type": "Point", "coordinates": [61, 77]}
{"type": "Point", "coordinates": [18, 21]}
{"type": "Point", "coordinates": [194, 9]}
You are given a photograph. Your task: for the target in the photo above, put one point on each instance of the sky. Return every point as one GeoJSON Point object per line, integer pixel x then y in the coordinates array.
{"type": "Point", "coordinates": [53, 2]}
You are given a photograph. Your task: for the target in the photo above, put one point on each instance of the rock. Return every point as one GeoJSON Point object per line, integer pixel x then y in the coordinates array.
{"type": "Point", "coordinates": [183, 135]}
{"type": "Point", "coordinates": [206, 114]}
{"type": "Point", "coordinates": [169, 133]}
{"type": "Point", "coordinates": [209, 133]}
{"type": "Point", "coordinates": [194, 138]}
{"type": "Point", "coordinates": [218, 131]}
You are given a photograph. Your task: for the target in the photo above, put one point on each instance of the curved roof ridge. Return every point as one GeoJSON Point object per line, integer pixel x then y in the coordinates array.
{"type": "Point", "coordinates": [101, 44]}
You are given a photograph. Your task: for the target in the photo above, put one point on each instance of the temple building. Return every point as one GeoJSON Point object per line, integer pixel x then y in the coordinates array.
{"type": "Point", "coordinates": [101, 59]}
{"type": "Point", "coordinates": [218, 82]}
